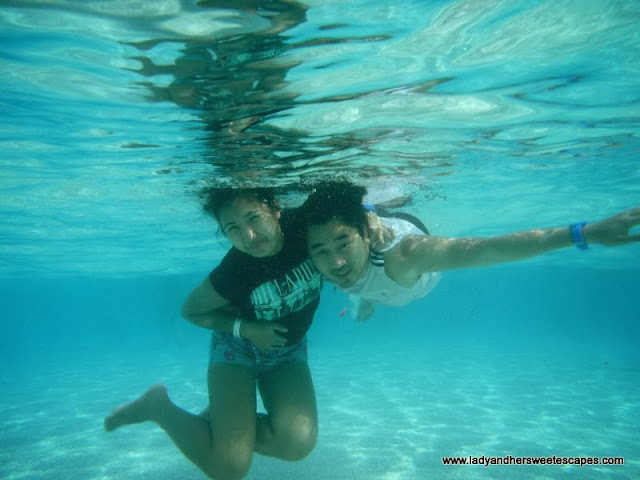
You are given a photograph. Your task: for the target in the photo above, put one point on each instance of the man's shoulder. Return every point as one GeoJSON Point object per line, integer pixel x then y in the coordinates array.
{"type": "Point", "coordinates": [396, 264]}
{"type": "Point", "coordinates": [401, 263]}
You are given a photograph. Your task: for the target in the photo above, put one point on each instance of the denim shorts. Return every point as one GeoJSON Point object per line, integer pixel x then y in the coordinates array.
{"type": "Point", "coordinates": [225, 348]}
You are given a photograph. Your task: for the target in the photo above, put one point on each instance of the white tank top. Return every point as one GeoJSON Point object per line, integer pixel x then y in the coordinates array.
{"type": "Point", "coordinates": [376, 286]}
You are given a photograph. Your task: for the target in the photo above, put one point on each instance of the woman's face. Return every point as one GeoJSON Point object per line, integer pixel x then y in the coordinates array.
{"type": "Point", "coordinates": [252, 227]}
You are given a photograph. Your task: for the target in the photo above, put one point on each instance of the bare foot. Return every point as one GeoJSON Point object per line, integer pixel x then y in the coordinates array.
{"type": "Point", "coordinates": [142, 409]}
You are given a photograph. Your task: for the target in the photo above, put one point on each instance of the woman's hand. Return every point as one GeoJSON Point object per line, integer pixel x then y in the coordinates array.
{"type": "Point", "coordinates": [264, 335]}
{"type": "Point", "coordinates": [379, 235]}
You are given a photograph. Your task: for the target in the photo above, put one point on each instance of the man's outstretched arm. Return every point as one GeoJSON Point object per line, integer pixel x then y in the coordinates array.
{"type": "Point", "coordinates": [421, 254]}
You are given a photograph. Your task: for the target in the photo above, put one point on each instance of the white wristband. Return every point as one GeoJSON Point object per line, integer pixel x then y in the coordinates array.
{"type": "Point", "coordinates": [236, 327]}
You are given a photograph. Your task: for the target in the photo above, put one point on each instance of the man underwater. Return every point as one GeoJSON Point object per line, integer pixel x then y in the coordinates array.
{"type": "Point", "coordinates": [392, 261]}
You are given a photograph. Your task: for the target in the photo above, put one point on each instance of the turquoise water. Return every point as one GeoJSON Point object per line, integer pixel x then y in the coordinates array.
{"type": "Point", "coordinates": [486, 117]}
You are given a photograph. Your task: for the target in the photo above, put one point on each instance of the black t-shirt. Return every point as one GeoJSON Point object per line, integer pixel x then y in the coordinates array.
{"type": "Point", "coordinates": [284, 288]}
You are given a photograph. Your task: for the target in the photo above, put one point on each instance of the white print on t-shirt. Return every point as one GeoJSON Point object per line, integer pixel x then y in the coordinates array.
{"type": "Point", "coordinates": [288, 293]}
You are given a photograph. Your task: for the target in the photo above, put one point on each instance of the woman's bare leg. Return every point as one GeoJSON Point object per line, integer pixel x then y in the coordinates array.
{"type": "Point", "coordinates": [289, 431]}
{"type": "Point", "coordinates": [221, 447]}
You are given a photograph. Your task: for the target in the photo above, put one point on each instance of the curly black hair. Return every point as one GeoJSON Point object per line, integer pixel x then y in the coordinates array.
{"type": "Point", "coordinates": [338, 199]}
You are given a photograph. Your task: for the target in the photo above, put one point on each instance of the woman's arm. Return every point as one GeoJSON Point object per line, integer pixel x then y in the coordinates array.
{"type": "Point", "coordinates": [206, 308]}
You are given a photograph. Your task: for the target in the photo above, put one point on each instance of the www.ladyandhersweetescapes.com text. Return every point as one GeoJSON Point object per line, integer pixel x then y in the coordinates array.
{"type": "Point", "coordinates": [548, 460]}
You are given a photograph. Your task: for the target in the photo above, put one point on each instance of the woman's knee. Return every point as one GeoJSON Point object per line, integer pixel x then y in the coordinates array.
{"type": "Point", "coordinates": [301, 436]}
{"type": "Point", "coordinates": [231, 462]}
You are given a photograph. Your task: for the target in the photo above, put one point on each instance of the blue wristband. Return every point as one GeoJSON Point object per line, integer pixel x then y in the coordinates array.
{"type": "Point", "coordinates": [576, 235]}
{"type": "Point", "coordinates": [370, 208]}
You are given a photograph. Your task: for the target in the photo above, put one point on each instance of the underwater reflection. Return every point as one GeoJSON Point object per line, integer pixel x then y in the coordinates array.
{"type": "Point", "coordinates": [235, 78]}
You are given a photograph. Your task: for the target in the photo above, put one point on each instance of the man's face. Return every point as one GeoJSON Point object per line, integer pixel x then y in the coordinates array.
{"type": "Point", "coordinates": [339, 251]}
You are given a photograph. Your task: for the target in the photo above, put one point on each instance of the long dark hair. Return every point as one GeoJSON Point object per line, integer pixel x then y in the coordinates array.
{"type": "Point", "coordinates": [214, 199]}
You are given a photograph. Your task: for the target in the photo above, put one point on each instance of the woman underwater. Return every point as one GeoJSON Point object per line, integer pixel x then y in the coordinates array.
{"type": "Point", "coordinates": [260, 302]}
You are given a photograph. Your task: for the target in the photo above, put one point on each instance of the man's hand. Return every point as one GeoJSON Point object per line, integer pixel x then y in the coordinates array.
{"type": "Point", "coordinates": [614, 231]}
{"type": "Point", "coordinates": [366, 309]}
{"type": "Point", "coordinates": [264, 335]}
